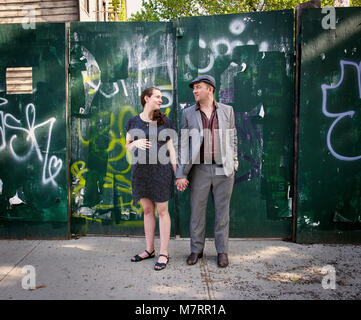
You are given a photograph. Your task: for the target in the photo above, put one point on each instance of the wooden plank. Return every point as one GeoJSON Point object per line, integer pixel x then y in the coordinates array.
{"type": "Point", "coordinates": [17, 1]}
{"type": "Point", "coordinates": [20, 92]}
{"type": "Point", "coordinates": [17, 81]}
{"type": "Point", "coordinates": [38, 12]}
{"type": "Point", "coordinates": [22, 1]}
{"type": "Point", "coordinates": [51, 18]}
{"type": "Point", "coordinates": [20, 76]}
{"type": "Point", "coordinates": [13, 76]}
{"type": "Point", "coordinates": [17, 76]}
{"type": "Point", "coordinates": [20, 73]}
{"type": "Point", "coordinates": [59, 18]}
{"type": "Point", "coordinates": [17, 69]}
{"type": "Point", "coordinates": [18, 87]}
{"type": "Point", "coordinates": [39, 5]}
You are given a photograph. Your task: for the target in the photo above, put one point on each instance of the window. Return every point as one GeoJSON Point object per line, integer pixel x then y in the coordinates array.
{"type": "Point", "coordinates": [19, 80]}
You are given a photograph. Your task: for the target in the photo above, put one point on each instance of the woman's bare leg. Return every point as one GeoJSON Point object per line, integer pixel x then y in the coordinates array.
{"type": "Point", "coordinates": [164, 229]}
{"type": "Point", "coordinates": [149, 225]}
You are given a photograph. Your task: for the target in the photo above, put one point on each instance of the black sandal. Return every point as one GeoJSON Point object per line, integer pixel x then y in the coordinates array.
{"type": "Point", "coordinates": [138, 258]}
{"type": "Point", "coordinates": [161, 266]}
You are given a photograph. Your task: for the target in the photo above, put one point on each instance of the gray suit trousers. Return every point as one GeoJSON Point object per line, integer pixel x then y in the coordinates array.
{"type": "Point", "coordinates": [205, 178]}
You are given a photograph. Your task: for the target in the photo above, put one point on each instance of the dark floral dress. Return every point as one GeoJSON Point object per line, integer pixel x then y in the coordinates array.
{"type": "Point", "coordinates": [152, 172]}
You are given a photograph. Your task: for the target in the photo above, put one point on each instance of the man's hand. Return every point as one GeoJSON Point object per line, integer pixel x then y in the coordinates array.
{"type": "Point", "coordinates": [181, 184]}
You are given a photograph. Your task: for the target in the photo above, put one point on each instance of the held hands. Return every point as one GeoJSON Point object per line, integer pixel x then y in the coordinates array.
{"type": "Point", "coordinates": [181, 184]}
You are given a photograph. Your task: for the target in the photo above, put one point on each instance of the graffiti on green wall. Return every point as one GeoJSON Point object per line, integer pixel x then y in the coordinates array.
{"type": "Point", "coordinates": [33, 186]}
{"type": "Point", "coordinates": [251, 57]}
{"type": "Point", "coordinates": [110, 66]}
{"type": "Point", "coordinates": [329, 180]}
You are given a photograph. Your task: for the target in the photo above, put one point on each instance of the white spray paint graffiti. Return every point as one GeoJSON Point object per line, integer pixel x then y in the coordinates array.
{"type": "Point", "coordinates": [113, 79]}
{"type": "Point", "coordinates": [237, 26]}
{"type": "Point", "coordinates": [51, 166]}
{"type": "Point", "coordinates": [15, 200]}
{"type": "Point", "coordinates": [223, 47]}
{"type": "Point", "coordinates": [140, 59]}
{"type": "Point", "coordinates": [223, 57]}
{"type": "Point", "coordinates": [341, 115]}
{"type": "Point", "coordinates": [91, 78]}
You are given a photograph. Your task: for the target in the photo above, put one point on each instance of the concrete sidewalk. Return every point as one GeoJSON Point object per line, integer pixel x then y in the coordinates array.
{"type": "Point", "coordinates": [100, 268]}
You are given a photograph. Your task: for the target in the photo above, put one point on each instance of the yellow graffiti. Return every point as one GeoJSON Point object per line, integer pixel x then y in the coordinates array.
{"type": "Point", "coordinates": [107, 124]}
{"type": "Point", "coordinates": [109, 178]}
{"type": "Point", "coordinates": [115, 139]}
{"type": "Point", "coordinates": [82, 140]}
{"type": "Point", "coordinates": [121, 141]}
{"type": "Point", "coordinates": [78, 169]}
{"type": "Point", "coordinates": [86, 217]}
{"type": "Point", "coordinates": [90, 78]}
{"type": "Point", "coordinates": [167, 111]}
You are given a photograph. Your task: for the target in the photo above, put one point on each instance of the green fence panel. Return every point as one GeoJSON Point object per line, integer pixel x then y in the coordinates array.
{"type": "Point", "coordinates": [251, 57]}
{"type": "Point", "coordinates": [111, 63]}
{"type": "Point", "coordinates": [329, 176]}
{"type": "Point", "coordinates": [33, 174]}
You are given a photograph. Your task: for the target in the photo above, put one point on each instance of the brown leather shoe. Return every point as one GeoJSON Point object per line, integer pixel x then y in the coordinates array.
{"type": "Point", "coordinates": [193, 258]}
{"type": "Point", "coordinates": [222, 260]}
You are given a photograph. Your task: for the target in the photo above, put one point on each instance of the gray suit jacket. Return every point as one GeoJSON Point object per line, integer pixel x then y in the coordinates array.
{"type": "Point", "coordinates": [191, 138]}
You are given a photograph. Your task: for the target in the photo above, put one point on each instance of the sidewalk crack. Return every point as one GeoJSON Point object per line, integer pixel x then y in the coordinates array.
{"type": "Point", "coordinates": [206, 276]}
{"type": "Point", "coordinates": [17, 263]}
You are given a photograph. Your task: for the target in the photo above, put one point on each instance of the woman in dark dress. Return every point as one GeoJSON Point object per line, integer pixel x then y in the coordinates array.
{"type": "Point", "coordinates": [152, 178]}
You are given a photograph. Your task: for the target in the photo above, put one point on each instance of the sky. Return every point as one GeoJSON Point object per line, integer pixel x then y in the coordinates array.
{"type": "Point", "coordinates": [133, 6]}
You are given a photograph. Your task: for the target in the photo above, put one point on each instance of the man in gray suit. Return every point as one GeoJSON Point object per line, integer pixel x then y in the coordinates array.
{"type": "Point", "coordinates": [207, 161]}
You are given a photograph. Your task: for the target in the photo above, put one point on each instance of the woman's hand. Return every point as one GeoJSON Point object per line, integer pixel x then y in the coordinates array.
{"type": "Point", "coordinates": [142, 144]}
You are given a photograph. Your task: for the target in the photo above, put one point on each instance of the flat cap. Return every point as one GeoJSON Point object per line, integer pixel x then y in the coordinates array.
{"type": "Point", "coordinates": [204, 78]}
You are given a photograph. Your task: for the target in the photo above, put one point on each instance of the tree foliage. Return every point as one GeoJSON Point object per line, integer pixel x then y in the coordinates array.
{"type": "Point", "coordinates": [117, 10]}
{"type": "Point", "coordinates": [165, 10]}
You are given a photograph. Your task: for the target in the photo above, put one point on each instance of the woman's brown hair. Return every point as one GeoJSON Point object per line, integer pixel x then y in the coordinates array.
{"type": "Point", "coordinates": [147, 93]}
{"type": "Point", "coordinates": [158, 116]}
